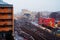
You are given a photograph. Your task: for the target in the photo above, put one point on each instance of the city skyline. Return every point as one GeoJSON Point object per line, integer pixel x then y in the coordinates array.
{"type": "Point", "coordinates": [35, 5]}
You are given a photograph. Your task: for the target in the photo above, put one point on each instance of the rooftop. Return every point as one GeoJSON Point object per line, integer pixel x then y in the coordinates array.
{"type": "Point", "coordinates": [1, 2]}
{"type": "Point", "coordinates": [4, 4]}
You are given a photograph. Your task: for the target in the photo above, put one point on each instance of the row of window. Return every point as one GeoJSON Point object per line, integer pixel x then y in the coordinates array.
{"type": "Point", "coordinates": [6, 25]}
{"type": "Point", "coordinates": [6, 16]}
{"type": "Point", "coordinates": [6, 10]}
{"type": "Point", "coordinates": [5, 13]}
{"type": "Point", "coordinates": [9, 14]}
{"type": "Point", "coordinates": [6, 7]}
{"type": "Point", "coordinates": [6, 19]}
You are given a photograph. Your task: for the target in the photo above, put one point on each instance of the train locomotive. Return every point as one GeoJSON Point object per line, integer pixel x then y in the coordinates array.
{"type": "Point", "coordinates": [50, 23]}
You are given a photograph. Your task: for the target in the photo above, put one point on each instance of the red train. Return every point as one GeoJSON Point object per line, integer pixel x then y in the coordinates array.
{"type": "Point", "coordinates": [47, 22]}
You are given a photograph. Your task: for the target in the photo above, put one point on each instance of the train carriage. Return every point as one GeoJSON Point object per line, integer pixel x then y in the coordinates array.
{"type": "Point", "coordinates": [47, 22]}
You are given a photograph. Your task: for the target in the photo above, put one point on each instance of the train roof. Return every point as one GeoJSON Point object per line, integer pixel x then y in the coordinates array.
{"type": "Point", "coordinates": [4, 4]}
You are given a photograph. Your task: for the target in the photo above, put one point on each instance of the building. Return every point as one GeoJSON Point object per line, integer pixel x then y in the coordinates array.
{"type": "Point", "coordinates": [6, 20]}
{"type": "Point", "coordinates": [29, 14]}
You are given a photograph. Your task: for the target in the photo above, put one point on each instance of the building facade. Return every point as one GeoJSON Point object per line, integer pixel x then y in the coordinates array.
{"type": "Point", "coordinates": [6, 20]}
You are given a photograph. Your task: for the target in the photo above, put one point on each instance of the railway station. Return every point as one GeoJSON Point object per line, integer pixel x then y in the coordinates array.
{"type": "Point", "coordinates": [28, 26]}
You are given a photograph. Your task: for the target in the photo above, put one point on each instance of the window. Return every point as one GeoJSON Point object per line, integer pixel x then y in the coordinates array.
{"type": "Point", "coordinates": [1, 7]}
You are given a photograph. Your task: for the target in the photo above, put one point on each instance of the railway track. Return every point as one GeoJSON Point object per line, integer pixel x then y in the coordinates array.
{"type": "Point", "coordinates": [36, 31]}
{"type": "Point", "coordinates": [35, 36]}
{"type": "Point", "coordinates": [32, 30]}
{"type": "Point", "coordinates": [23, 36]}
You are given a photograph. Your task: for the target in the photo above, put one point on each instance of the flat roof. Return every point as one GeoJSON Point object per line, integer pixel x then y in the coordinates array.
{"type": "Point", "coordinates": [4, 4]}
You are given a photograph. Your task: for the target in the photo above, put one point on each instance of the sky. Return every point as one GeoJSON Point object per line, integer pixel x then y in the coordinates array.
{"type": "Point", "coordinates": [35, 5]}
